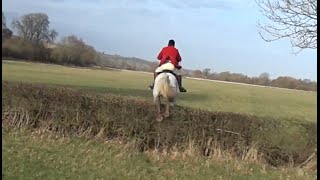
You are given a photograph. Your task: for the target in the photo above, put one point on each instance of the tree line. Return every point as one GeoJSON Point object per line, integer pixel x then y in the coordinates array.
{"type": "Point", "coordinates": [263, 79]}
{"type": "Point", "coordinates": [35, 41]}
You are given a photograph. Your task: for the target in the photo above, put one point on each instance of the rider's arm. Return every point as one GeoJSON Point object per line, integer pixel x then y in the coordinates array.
{"type": "Point", "coordinates": [178, 57]}
{"type": "Point", "coordinates": [160, 55]}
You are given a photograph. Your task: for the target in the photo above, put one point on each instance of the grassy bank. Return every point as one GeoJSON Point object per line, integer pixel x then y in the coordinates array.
{"type": "Point", "coordinates": [35, 155]}
{"type": "Point", "coordinates": [277, 142]}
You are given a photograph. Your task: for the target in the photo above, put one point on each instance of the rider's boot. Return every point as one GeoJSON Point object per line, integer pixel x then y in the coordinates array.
{"type": "Point", "coordinates": [154, 77]}
{"type": "Point", "coordinates": [182, 89]}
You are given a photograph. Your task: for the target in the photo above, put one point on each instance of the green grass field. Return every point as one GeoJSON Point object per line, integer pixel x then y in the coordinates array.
{"type": "Point", "coordinates": [30, 155]}
{"type": "Point", "coordinates": [213, 96]}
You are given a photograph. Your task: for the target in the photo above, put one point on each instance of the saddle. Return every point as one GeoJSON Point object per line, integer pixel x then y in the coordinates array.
{"type": "Point", "coordinates": [178, 77]}
{"type": "Point", "coordinates": [167, 71]}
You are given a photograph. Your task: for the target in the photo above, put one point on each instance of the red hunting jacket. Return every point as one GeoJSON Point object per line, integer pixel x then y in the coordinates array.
{"type": "Point", "coordinates": [169, 53]}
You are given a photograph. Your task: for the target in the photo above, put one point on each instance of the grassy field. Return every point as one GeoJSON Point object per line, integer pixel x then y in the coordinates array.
{"type": "Point", "coordinates": [29, 154]}
{"type": "Point", "coordinates": [35, 155]}
{"type": "Point", "coordinates": [214, 96]}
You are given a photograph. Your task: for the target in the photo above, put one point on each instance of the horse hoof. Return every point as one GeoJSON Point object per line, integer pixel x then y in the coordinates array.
{"type": "Point", "coordinates": [159, 118]}
{"type": "Point", "coordinates": [166, 115]}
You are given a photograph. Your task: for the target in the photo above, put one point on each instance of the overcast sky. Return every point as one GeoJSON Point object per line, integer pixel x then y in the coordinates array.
{"type": "Point", "coordinates": [220, 34]}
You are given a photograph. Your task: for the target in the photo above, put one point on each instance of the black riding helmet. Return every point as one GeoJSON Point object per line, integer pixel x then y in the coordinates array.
{"type": "Point", "coordinates": [171, 42]}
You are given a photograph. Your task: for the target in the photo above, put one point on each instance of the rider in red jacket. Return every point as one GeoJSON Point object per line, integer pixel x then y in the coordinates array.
{"type": "Point", "coordinates": [170, 53]}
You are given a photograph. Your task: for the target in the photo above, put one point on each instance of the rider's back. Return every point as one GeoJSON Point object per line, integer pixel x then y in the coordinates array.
{"type": "Point", "coordinates": [169, 53]}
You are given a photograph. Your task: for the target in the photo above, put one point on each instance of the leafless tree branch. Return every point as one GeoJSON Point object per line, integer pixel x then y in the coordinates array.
{"type": "Point", "coordinates": [292, 19]}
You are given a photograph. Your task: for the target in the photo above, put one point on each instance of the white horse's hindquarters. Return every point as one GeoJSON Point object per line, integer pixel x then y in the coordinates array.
{"type": "Point", "coordinates": [173, 83]}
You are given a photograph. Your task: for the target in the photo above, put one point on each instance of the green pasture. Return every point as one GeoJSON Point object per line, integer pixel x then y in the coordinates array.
{"type": "Point", "coordinates": [30, 154]}
{"type": "Point", "coordinates": [213, 96]}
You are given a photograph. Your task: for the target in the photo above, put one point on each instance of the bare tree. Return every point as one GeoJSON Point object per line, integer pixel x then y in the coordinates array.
{"type": "Point", "coordinates": [6, 32]}
{"type": "Point", "coordinates": [264, 79]}
{"type": "Point", "coordinates": [206, 72]}
{"type": "Point", "coordinates": [293, 19]}
{"type": "Point", "coordinates": [73, 50]}
{"type": "Point", "coordinates": [4, 24]}
{"type": "Point", "coordinates": [264, 75]}
{"type": "Point", "coordinates": [307, 81]}
{"type": "Point", "coordinates": [35, 27]}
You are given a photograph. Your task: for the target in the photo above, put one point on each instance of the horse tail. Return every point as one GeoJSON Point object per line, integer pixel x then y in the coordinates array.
{"type": "Point", "coordinates": [165, 90]}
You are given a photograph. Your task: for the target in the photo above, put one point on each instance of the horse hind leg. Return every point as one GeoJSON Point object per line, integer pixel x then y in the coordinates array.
{"type": "Point", "coordinates": [167, 113]}
{"type": "Point", "coordinates": [173, 103]}
{"type": "Point", "coordinates": [157, 102]}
